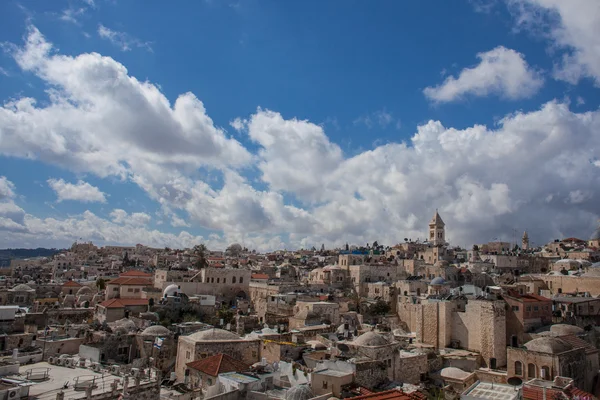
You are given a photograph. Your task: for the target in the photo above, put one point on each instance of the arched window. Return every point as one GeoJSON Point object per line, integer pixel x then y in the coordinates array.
{"type": "Point", "coordinates": [518, 368]}
{"type": "Point", "coordinates": [531, 371]}
{"type": "Point", "coordinates": [218, 279]}
{"type": "Point", "coordinates": [546, 373]}
{"type": "Point", "coordinates": [233, 280]}
{"type": "Point", "coordinates": [241, 279]}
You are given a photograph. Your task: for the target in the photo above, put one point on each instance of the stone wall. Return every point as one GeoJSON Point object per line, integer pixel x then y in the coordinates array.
{"type": "Point", "coordinates": [370, 374]}
{"type": "Point", "coordinates": [570, 284]}
{"type": "Point", "coordinates": [409, 367]}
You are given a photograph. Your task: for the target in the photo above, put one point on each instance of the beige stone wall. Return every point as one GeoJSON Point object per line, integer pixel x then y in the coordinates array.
{"type": "Point", "coordinates": [569, 284]}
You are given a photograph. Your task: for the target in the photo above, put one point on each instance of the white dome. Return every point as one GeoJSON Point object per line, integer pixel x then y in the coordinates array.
{"type": "Point", "coordinates": [171, 290]}
{"type": "Point", "coordinates": [214, 335]}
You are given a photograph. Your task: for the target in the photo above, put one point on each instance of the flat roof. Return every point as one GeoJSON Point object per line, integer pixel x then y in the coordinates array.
{"type": "Point", "coordinates": [237, 377]}
{"type": "Point", "coordinates": [495, 391]}
{"type": "Point", "coordinates": [332, 372]}
{"type": "Point", "coordinates": [47, 390]}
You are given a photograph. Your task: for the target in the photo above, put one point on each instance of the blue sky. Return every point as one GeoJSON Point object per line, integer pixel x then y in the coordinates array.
{"type": "Point", "coordinates": [325, 94]}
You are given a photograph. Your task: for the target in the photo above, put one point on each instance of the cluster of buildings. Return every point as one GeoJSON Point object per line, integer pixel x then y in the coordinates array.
{"type": "Point", "coordinates": [412, 321]}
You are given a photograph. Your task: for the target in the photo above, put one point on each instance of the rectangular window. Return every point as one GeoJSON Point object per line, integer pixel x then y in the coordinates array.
{"type": "Point", "coordinates": [528, 308]}
{"type": "Point", "coordinates": [536, 308]}
{"type": "Point", "coordinates": [187, 355]}
{"type": "Point", "coordinates": [324, 384]}
{"type": "Point", "coordinates": [130, 290]}
{"type": "Point", "coordinates": [515, 308]}
{"type": "Point", "coordinates": [136, 291]}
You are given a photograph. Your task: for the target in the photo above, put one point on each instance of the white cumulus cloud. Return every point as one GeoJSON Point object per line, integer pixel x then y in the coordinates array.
{"type": "Point", "coordinates": [501, 71]}
{"type": "Point", "coordinates": [572, 25]}
{"type": "Point", "coordinates": [80, 191]}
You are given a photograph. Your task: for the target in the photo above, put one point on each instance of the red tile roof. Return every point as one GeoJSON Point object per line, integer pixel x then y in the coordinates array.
{"type": "Point", "coordinates": [218, 364]}
{"type": "Point", "coordinates": [122, 303]}
{"type": "Point", "coordinates": [394, 394]}
{"type": "Point", "coordinates": [135, 273]}
{"type": "Point", "coordinates": [260, 276]}
{"type": "Point", "coordinates": [131, 281]}
{"type": "Point", "coordinates": [528, 297]}
{"type": "Point", "coordinates": [72, 284]}
{"type": "Point", "coordinates": [531, 392]}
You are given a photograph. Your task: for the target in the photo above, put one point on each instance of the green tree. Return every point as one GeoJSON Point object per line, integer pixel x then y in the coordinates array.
{"type": "Point", "coordinates": [200, 251]}
{"type": "Point", "coordinates": [100, 284]}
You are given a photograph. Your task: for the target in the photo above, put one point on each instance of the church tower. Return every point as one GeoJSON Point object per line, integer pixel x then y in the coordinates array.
{"type": "Point", "coordinates": [437, 231]}
{"type": "Point", "coordinates": [525, 241]}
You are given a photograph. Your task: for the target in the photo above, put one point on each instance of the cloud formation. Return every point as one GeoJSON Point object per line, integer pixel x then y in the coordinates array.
{"type": "Point", "coordinates": [534, 170]}
{"type": "Point", "coordinates": [80, 191]}
{"type": "Point", "coordinates": [572, 25]}
{"type": "Point", "coordinates": [501, 71]}
{"type": "Point", "coordinates": [122, 40]}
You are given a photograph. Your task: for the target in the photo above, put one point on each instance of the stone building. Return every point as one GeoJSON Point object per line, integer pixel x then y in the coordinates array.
{"type": "Point", "coordinates": [127, 287]}
{"type": "Point", "coordinates": [214, 341]}
{"type": "Point", "coordinates": [203, 373]}
{"type": "Point", "coordinates": [550, 357]}
{"type": "Point", "coordinates": [158, 343]}
{"type": "Point", "coordinates": [115, 309]}
{"type": "Point", "coordinates": [525, 313]}
{"type": "Point", "coordinates": [474, 325]}
{"type": "Point", "coordinates": [21, 295]}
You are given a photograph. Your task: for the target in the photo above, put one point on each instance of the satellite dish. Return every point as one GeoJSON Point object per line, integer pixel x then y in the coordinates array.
{"type": "Point", "coordinates": [343, 347]}
{"type": "Point", "coordinates": [514, 381]}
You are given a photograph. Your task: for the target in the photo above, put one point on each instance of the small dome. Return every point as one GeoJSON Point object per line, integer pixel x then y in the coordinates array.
{"type": "Point", "coordinates": [299, 392]}
{"type": "Point", "coordinates": [214, 335]}
{"type": "Point", "coordinates": [565, 329]}
{"type": "Point", "coordinates": [371, 339]}
{"type": "Point", "coordinates": [22, 288]}
{"type": "Point", "coordinates": [548, 345]}
{"type": "Point", "coordinates": [454, 373]}
{"type": "Point", "coordinates": [124, 323]}
{"type": "Point", "coordinates": [84, 290]}
{"type": "Point", "coordinates": [156, 330]}
{"type": "Point", "coordinates": [171, 290]}
{"type": "Point", "coordinates": [438, 281]}
{"type": "Point", "coordinates": [441, 264]}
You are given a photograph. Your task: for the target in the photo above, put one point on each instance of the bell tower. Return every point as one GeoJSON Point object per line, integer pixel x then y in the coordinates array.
{"type": "Point", "coordinates": [525, 241]}
{"type": "Point", "coordinates": [437, 231]}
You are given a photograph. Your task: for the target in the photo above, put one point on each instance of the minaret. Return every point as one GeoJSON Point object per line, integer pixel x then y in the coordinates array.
{"type": "Point", "coordinates": [437, 232]}
{"type": "Point", "coordinates": [525, 241]}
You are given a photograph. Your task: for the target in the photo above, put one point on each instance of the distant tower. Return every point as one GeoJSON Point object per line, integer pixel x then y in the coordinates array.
{"type": "Point", "coordinates": [525, 241]}
{"type": "Point", "coordinates": [437, 232]}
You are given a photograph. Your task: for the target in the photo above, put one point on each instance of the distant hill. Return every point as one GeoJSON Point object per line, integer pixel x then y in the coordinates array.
{"type": "Point", "coordinates": [10, 254]}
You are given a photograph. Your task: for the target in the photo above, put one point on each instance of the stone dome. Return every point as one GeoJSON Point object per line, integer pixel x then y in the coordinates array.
{"type": "Point", "coordinates": [156, 330]}
{"type": "Point", "coordinates": [299, 392]}
{"type": "Point", "coordinates": [438, 281]}
{"type": "Point", "coordinates": [454, 373]}
{"type": "Point", "coordinates": [548, 345]}
{"type": "Point", "coordinates": [565, 329]}
{"type": "Point", "coordinates": [371, 339]}
{"type": "Point", "coordinates": [22, 288]}
{"type": "Point", "coordinates": [171, 290]}
{"type": "Point", "coordinates": [84, 290]}
{"type": "Point", "coordinates": [214, 335]}
{"type": "Point", "coordinates": [125, 323]}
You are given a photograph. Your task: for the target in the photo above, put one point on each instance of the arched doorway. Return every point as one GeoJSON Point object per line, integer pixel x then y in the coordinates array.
{"type": "Point", "coordinates": [518, 368]}
{"type": "Point", "coordinates": [531, 371]}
